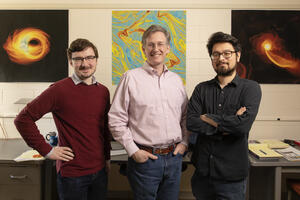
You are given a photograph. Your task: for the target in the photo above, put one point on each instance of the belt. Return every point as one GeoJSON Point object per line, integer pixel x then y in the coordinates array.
{"type": "Point", "coordinates": [161, 151]}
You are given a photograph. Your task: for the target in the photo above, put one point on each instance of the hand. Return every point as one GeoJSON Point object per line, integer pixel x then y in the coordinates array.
{"type": "Point", "coordinates": [208, 120]}
{"type": "Point", "coordinates": [61, 153]}
{"type": "Point", "coordinates": [107, 166]}
{"type": "Point", "coordinates": [142, 156]}
{"type": "Point", "coordinates": [180, 148]}
{"type": "Point", "coordinates": [241, 111]}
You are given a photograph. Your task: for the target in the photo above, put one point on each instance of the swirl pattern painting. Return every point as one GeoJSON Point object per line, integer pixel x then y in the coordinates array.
{"type": "Point", "coordinates": [127, 30]}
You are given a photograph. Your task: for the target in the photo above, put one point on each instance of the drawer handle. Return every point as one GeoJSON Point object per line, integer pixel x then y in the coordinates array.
{"type": "Point", "coordinates": [17, 177]}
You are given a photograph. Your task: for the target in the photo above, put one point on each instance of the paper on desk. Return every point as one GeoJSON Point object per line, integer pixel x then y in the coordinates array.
{"type": "Point", "coordinates": [273, 143]}
{"type": "Point", "coordinates": [29, 155]}
{"type": "Point", "coordinates": [117, 149]}
{"type": "Point", "coordinates": [290, 153]}
{"type": "Point", "coordinates": [118, 152]}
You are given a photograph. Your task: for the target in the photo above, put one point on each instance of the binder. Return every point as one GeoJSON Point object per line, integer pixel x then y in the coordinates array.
{"type": "Point", "coordinates": [262, 152]}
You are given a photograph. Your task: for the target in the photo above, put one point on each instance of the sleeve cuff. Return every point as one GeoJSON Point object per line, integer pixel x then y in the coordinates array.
{"type": "Point", "coordinates": [48, 154]}
{"type": "Point", "coordinates": [131, 149]}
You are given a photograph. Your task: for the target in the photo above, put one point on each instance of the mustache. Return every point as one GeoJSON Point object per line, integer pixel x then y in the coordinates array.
{"type": "Point", "coordinates": [84, 67]}
{"type": "Point", "coordinates": [221, 63]}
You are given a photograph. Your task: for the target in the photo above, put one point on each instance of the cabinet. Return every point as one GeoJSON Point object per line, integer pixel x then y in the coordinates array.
{"type": "Point", "coordinates": [21, 180]}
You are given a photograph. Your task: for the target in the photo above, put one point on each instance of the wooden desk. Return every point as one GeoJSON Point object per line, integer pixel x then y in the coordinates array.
{"type": "Point", "coordinates": [261, 172]}
{"type": "Point", "coordinates": [40, 180]}
{"type": "Point", "coordinates": [22, 180]}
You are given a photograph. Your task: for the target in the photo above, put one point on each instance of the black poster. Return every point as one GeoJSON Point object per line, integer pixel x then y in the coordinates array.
{"type": "Point", "coordinates": [33, 45]}
{"type": "Point", "coordinates": [271, 45]}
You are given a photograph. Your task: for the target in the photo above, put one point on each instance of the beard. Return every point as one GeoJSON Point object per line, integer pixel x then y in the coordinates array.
{"type": "Point", "coordinates": [225, 72]}
{"type": "Point", "coordinates": [84, 76]}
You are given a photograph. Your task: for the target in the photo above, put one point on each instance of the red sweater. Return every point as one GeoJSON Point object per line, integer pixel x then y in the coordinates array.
{"type": "Point", "coordinates": [80, 114]}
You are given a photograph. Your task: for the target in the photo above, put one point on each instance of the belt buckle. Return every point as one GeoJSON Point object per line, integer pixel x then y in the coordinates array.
{"type": "Point", "coordinates": [162, 151]}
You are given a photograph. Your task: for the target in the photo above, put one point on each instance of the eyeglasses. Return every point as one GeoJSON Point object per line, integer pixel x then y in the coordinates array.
{"type": "Point", "coordinates": [79, 60]}
{"type": "Point", "coordinates": [226, 54]}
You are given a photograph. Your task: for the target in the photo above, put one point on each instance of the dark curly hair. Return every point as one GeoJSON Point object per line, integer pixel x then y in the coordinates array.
{"type": "Point", "coordinates": [220, 37]}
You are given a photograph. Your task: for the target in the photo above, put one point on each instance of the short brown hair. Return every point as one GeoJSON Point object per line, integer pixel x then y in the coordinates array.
{"type": "Point", "coordinates": [155, 28]}
{"type": "Point", "coordinates": [79, 45]}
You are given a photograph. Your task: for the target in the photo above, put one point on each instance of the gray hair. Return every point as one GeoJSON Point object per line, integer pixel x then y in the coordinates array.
{"type": "Point", "coordinates": [155, 28]}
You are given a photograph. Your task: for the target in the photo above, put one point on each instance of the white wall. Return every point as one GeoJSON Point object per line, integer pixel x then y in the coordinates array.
{"type": "Point", "coordinates": [92, 19]}
{"type": "Point", "coordinates": [131, 4]}
{"type": "Point", "coordinates": [10, 93]}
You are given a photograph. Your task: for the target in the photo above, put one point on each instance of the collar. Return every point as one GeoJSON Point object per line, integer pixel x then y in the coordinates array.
{"type": "Point", "coordinates": [236, 80]}
{"type": "Point", "coordinates": [77, 80]}
{"type": "Point", "coordinates": [151, 70]}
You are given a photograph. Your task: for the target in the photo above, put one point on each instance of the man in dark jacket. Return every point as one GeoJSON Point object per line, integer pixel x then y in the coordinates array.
{"type": "Point", "coordinates": [221, 112]}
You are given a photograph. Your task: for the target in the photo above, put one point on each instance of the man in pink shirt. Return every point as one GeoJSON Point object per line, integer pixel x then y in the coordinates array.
{"type": "Point", "coordinates": [148, 117]}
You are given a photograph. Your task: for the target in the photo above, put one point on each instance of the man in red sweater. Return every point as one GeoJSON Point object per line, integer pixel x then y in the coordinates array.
{"type": "Point", "coordinates": [79, 105]}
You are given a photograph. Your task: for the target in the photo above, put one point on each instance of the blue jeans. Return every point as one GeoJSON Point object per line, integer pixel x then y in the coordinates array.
{"type": "Point", "coordinates": [155, 179]}
{"type": "Point", "coordinates": [206, 188]}
{"type": "Point", "coordinates": [88, 187]}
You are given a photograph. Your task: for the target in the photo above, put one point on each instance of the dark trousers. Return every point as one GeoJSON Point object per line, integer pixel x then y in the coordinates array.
{"type": "Point", "coordinates": [156, 179]}
{"type": "Point", "coordinates": [88, 187]}
{"type": "Point", "coordinates": [206, 188]}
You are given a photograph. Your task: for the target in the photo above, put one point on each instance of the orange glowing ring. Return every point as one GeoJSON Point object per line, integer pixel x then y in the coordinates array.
{"type": "Point", "coordinates": [271, 49]}
{"type": "Point", "coordinates": [27, 45]}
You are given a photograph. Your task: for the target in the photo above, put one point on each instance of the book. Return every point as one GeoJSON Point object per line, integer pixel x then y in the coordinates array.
{"type": "Point", "coordinates": [290, 153]}
{"type": "Point", "coordinates": [273, 143]}
{"type": "Point", "coordinates": [116, 145]}
{"type": "Point", "coordinates": [117, 149]}
{"type": "Point", "coordinates": [118, 152]}
{"type": "Point", "coordinates": [263, 152]}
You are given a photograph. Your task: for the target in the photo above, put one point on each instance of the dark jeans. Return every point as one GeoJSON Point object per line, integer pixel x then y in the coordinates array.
{"type": "Point", "coordinates": [155, 179]}
{"type": "Point", "coordinates": [88, 187]}
{"type": "Point", "coordinates": [205, 188]}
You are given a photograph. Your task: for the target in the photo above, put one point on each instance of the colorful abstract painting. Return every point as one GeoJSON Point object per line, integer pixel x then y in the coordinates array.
{"type": "Point", "coordinates": [127, 30]}
{"type": "Point", "coordinates": [271, 45]}
{"type": "Point", "coordinates": [33, 45]}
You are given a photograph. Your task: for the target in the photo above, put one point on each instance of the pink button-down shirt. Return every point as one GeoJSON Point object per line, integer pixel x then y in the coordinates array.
{"type": "Point", "coordinates": [149, 109]}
